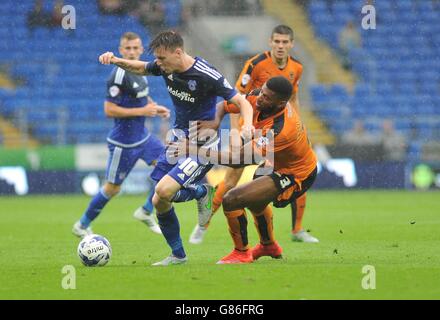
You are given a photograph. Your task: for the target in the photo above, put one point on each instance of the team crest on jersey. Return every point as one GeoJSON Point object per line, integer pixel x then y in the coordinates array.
{"type": "Point", "coordinates": [292, 75]}
{"type": "Point", "coordinates": [263, 141]}
{"type": "Point", "coordinates": [192, 84]}
{"type": "Point", "coordinates": [113, 91]}
{"type": "Point", "coordinates": [245, 80]}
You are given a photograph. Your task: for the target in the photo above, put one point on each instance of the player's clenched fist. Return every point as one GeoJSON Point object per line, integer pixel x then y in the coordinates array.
{"type": "Point", "coordinates": [106, 58]}
{"type": "Point", "coordinates": [247, 132]}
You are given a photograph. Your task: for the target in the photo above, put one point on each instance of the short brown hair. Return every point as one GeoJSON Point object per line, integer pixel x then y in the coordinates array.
{"type": "Point", "coordinates": [130, 36]}
{"type": "Point", "coordinates": [283, 29]}
{"type": "Point", "coordinates": [169, 40]}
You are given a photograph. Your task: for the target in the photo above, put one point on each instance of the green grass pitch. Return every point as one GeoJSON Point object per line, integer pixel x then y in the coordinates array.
{"type": "Point", "coordinates": [396, 232]}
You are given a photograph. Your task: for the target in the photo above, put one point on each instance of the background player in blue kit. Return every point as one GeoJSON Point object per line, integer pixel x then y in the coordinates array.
{"type": "Point", "coordinates": [128, 102]}
{"type": "Point", "coordinates": [193, 85]}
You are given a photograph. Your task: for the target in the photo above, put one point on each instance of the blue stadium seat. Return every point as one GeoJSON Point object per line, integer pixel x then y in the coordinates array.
{"type": "Point", "coordinates": [62, 86]}
{"type": "Point", "coordinates": [373, 126]}
{"type": "Point", "coordinates": [424, 7]}
{"type": "Point", "coordinates": [339, 92]}
{"type": "Point", "coordinates": [173, 13]}
{"type": "Point", "coordinates": [406, 88]}
{"type": "Point", "coordinates": [431, 88]}
{"type": "Point", "coordinates": [384, 89]}
{"type": "Point", "coordinates": [425, 132]}
{"type": "Point", "coordinates": [361, 90]}
{"type": "Point", "coordinates": [318, 6]}
{"type": "Point", "coordinates": [330, 113]}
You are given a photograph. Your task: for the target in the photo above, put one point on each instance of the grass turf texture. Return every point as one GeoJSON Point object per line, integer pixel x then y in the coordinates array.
{"type": "Point", "coordinates": [396, 232]}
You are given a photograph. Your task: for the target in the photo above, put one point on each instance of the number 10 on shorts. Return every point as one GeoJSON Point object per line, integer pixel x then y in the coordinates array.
{"type": "Point", "coordinates": [188, 167]}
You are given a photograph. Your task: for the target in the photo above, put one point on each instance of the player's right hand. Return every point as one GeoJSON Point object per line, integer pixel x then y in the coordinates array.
{"type": "Point", "coordinates": [150, 110]}
{"type": "Point", "coordinates": [163, 112]}
{"type": "Point", "coordinates": [106, 58]}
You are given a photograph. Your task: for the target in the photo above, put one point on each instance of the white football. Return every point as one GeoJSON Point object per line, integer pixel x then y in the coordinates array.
{"type": "Point", "coordinates": [94, 250]}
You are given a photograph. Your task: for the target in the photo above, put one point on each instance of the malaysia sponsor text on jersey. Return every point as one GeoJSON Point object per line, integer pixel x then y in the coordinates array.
{"type": "Point", "coordinates": [182, 95]}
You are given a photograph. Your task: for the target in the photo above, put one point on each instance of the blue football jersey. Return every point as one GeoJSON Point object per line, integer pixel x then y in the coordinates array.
{"type": "Point", "coordinates": [127, 90]}
{"type": "Point", "coordinates": [195, 91]}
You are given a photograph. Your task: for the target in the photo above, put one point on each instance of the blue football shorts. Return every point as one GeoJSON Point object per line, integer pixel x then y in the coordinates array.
{"type": "Point", "coordinates": [122, 160]}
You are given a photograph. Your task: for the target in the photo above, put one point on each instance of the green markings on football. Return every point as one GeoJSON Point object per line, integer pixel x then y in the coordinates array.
{"type": "Point", "coordinates": [373, 245]}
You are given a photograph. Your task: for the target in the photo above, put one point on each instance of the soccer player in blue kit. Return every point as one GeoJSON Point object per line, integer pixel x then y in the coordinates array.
{"type": "Point", "coordinates": [194, 86]}
{"type": "Point", "coordinates": [129, 103]}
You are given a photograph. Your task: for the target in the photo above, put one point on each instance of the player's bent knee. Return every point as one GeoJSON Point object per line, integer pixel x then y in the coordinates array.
{"type": "Point", "coordinates": [155, 200]}
{"type": "Point", "coordinates": [161, 205]}
{"type": "Point", "coordinates": [229, 184]}
{"type": "Point", "coordinates": [111, 190]}
{"type": "Point", "coordinates": [232, 200]}
{"type": "Point", "coordinates": [258, 208]}
{"type": "Point", "coordinates": [232, 179]}
{"type": "Point", "coordinates": [163, 193]}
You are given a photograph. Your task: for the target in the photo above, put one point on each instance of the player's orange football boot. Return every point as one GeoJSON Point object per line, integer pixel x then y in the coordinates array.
{"type": "Point", "coordinates": [236, 257]}
{"type": "Point", "coordinates": [272, 250]}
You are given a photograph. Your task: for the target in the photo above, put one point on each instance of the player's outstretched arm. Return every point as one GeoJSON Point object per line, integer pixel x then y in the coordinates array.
{"type": "Point", "coordinates": [211, 124]}
{"type": "Point", "coordinates": [247, 155]}
{"type": "Point", "coordinates": [202, 129]}
{"type": "Point", "coordinates": [134, 66]}
{"type": "Point", "coordinates": [246, 112]}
